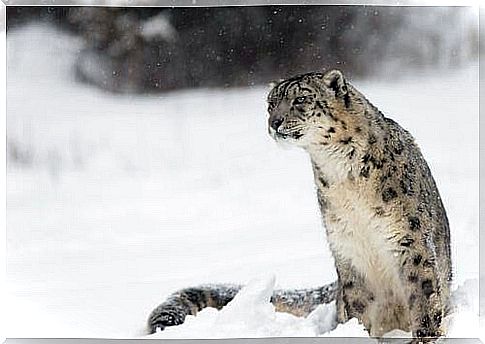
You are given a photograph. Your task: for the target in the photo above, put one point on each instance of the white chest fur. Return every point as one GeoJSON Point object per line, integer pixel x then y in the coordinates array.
{"type": "Point", "coordinates": [361, 236]}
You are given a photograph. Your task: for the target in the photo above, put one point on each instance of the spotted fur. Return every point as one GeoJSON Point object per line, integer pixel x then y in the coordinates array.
{"type": "Point", "coordinates": [189, 301]}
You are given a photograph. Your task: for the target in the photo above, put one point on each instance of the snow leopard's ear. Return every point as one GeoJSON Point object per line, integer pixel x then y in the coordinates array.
{"type": "Point", "coordinates": [335, 80]}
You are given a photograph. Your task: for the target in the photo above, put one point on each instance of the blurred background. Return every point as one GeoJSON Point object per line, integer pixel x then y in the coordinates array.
{"type": "Point", "coordinates": [159, 49]}
{"type": "Point", "coordinates": [138, 160]}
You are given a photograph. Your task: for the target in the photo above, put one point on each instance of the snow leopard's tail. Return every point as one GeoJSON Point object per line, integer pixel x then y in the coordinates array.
{"type": "Point", "coordinates": [189, 301]}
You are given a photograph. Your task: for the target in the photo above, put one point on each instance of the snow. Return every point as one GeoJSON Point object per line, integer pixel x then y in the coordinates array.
{"type": "Point", "coordinates": [118, 201]}
{"type": "Point", "coordinates": [158, 26]}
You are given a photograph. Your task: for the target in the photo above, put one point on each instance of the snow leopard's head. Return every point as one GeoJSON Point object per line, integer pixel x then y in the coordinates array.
{"type": "Point", "coordinates": [312, 108]}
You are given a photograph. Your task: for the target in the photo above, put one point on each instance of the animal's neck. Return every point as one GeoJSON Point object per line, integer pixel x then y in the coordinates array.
{"type": "Point", "coordinates": [335, 164]}
{"type": "Point", "coordinates": [339, 161]}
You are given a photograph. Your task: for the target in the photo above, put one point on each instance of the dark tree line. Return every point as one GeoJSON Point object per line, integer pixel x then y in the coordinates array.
{"type": "Point", "coordinates": [152, 49]}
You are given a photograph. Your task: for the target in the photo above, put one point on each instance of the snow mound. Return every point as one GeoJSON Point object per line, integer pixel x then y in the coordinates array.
{"type": "Point", "coordinates": [464, 322]}
{"type": "Point", "coordinates": [251, 314]}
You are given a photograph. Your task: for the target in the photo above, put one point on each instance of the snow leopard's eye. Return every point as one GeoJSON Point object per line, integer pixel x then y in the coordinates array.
{"type": "Point", "coordinates": [299, 100]}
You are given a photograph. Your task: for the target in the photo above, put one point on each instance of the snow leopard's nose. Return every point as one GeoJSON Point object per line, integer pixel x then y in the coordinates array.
{"type": "Point", "coordinates": [275, 122]}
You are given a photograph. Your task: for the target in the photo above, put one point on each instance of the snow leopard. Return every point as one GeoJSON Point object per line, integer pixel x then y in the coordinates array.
{"type": "Point", "coordinates": [385, 222]}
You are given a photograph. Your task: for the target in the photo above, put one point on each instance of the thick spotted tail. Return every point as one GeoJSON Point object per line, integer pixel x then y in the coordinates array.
{"type": "Point", "coordinates": [189, 301]}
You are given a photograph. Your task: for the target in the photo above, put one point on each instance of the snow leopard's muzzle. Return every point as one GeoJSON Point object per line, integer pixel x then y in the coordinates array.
{"type": "Point", "coordinates": [282, 129]}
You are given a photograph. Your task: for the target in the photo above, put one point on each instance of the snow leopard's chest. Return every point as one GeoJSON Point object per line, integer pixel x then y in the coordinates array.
{"type": "Point", "coordinates": [361, 234]}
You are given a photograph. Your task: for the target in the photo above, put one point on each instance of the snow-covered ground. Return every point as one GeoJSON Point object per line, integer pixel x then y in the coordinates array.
{"type": "Point", "coordinates": [120, 200]}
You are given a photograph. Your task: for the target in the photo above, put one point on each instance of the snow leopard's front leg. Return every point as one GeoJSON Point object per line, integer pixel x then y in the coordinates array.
{"type": "Point", "coordinates": [425, 301]}
{"type": "Point", "coordinates": [353, 297]}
